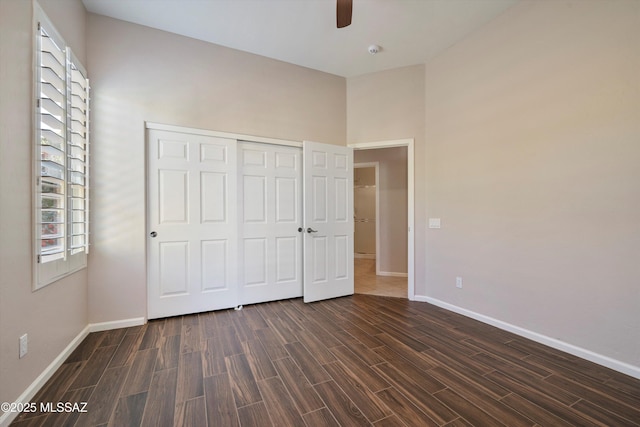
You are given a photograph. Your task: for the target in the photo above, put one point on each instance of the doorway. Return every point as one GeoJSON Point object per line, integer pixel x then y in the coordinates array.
{"type": "Point", "coordinates": [389, 271]}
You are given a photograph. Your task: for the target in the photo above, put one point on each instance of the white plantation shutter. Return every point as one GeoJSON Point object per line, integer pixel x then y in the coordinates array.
{"type": "Point", "coordinates": [62, 150]}
{"type": "Point", "coordinates": [78, 158]}
{"type": "Point", "coordinates": [52, 148]}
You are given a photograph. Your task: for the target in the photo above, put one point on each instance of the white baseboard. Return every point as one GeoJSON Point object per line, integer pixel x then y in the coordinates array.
{"type": "Point", "coordinates": [116, 324]}
{"type": "Point", "coordinates": [589, 355]}
{"type": "Point", "coordinates": [37, 384]}
{"type": "Point", "coordinates": [364, 256]}
{"type": "Point", "coordinates": [391, 274]}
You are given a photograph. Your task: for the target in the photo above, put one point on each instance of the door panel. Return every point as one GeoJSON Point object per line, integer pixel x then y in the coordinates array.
{"type": "Point", "coordinates": [270, 202]}
{"type": "Point", "coordinates": [287, 259]}
{"type": "Point", "coordinates": [319, 199]}
{"type": "Point", "coordinates": [320, 270]}
{"type": "Point", "coordinates": [341, 249]}
{"type": "Point", "coordinates": [328, 214]}
{"type": "Point", "coordinates": [255, 265]}
{"type": "Point", "coordinates": [174, 268]}
{"type": "Point", "coordinates": [214, 264]}
{"type": "Point", "coordinates": [213, 199]}
{"type": "Point", "coordinates": [193, 258]}
{"type": "Point", "coordinates": [287, 203]}
{"type": "Point", "coordinates": [174, 197]}
{"type": "Point", "coordinates": [342, 200]}
{"type": "Point", "coordinates": [255, 189]}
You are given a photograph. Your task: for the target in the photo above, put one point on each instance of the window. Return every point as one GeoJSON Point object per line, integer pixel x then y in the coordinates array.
{"type": "Point", "coordinates": [62, 154]}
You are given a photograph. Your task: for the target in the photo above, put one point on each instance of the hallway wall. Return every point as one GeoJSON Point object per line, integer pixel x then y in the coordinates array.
{"type": "Point", "coordinates": [393, 205]}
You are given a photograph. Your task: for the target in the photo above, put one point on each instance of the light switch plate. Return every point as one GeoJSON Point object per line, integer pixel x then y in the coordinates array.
{"type": "Point", "coordinates": [24, 342]}
{"type": "Point", "coordinates": [434, 222]}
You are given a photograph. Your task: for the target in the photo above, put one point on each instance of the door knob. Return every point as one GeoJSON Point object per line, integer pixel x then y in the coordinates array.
{"type": "Point", "coordinates": [153, 234]}
{"type": "Point", "coordinates": [300, 229]}
{"type": "Point", "coordinates": [311, 230]}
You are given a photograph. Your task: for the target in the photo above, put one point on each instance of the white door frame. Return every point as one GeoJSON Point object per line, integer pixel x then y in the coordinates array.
{"type": "Point", "coordinates": [409, 143]}
{"type": "Point", "coordinates": [376, 166]}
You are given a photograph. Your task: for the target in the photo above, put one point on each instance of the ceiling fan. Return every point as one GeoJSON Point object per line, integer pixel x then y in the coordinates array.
{"type": "Point", "coordinates": [343, 13]}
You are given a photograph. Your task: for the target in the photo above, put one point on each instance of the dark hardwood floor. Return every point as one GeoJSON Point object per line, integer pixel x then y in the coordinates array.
{"type": "Point", "coordinates": [360, 360]}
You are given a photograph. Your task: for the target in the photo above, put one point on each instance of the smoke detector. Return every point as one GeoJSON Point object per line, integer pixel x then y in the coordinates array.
{"type": "Point", "coordinates": [374, 48]}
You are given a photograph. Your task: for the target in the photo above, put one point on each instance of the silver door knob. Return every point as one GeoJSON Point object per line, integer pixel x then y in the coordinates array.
{"type": "Point", "coordinates": [311, 230]}
{"type": "Point", "coordinates": [153, 234]}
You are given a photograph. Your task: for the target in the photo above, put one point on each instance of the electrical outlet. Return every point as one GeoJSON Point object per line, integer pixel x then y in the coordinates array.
{"type": "Point", "coordinates": [24, 341]}
{"type": "Point", "coordinates": [459, 282]}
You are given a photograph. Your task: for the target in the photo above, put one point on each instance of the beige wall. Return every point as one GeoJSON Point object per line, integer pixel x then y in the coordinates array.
{"type": "Point", "coordinates": [392, 170]}
{"type": "Point", "coordinates": [389, 105]}
{"type": "Point", "coordinates": [532, 160]}
{"type": "Point", "coordinates": [364, 210]}
{"type": "Point", "coordinates": [139, 74]}
{"type": "Point", "coordinates": [54, 315]}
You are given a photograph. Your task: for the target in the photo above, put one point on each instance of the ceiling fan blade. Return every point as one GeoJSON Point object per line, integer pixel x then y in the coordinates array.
{"type": "Point", "coordinates": [343, 12]}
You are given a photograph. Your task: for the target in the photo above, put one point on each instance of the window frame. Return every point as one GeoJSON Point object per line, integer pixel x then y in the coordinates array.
{"type": "Point", "coordinates": [69, 192]}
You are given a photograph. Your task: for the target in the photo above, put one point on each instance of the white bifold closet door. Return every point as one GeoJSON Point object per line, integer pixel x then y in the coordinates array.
{"type": "Point", "coordinates": [270, 212]}
{"type": "Point", "coordinates": [192, 222]}
{"type": "Point", "coordinates": [234, 223]}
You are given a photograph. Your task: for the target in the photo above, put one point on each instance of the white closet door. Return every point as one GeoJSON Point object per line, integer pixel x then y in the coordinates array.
{"type": "Point", "coordinates": [328, 219]}
{"type": "Point", "coordinates": [270, 212]}
{"type": "Point", "coordinates": [192, 262]}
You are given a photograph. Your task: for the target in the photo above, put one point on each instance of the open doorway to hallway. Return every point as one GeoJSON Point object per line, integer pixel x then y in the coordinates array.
{"type": "Point", "coordinates": [381, 206]}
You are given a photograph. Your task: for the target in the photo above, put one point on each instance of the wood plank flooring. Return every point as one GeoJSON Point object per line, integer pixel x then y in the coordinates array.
{"type": "Point", "coordinates": [354, 361]}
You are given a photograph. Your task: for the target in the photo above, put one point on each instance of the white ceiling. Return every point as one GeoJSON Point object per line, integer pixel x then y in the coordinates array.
{"type": "Point", "coordinates": [304, 32]}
